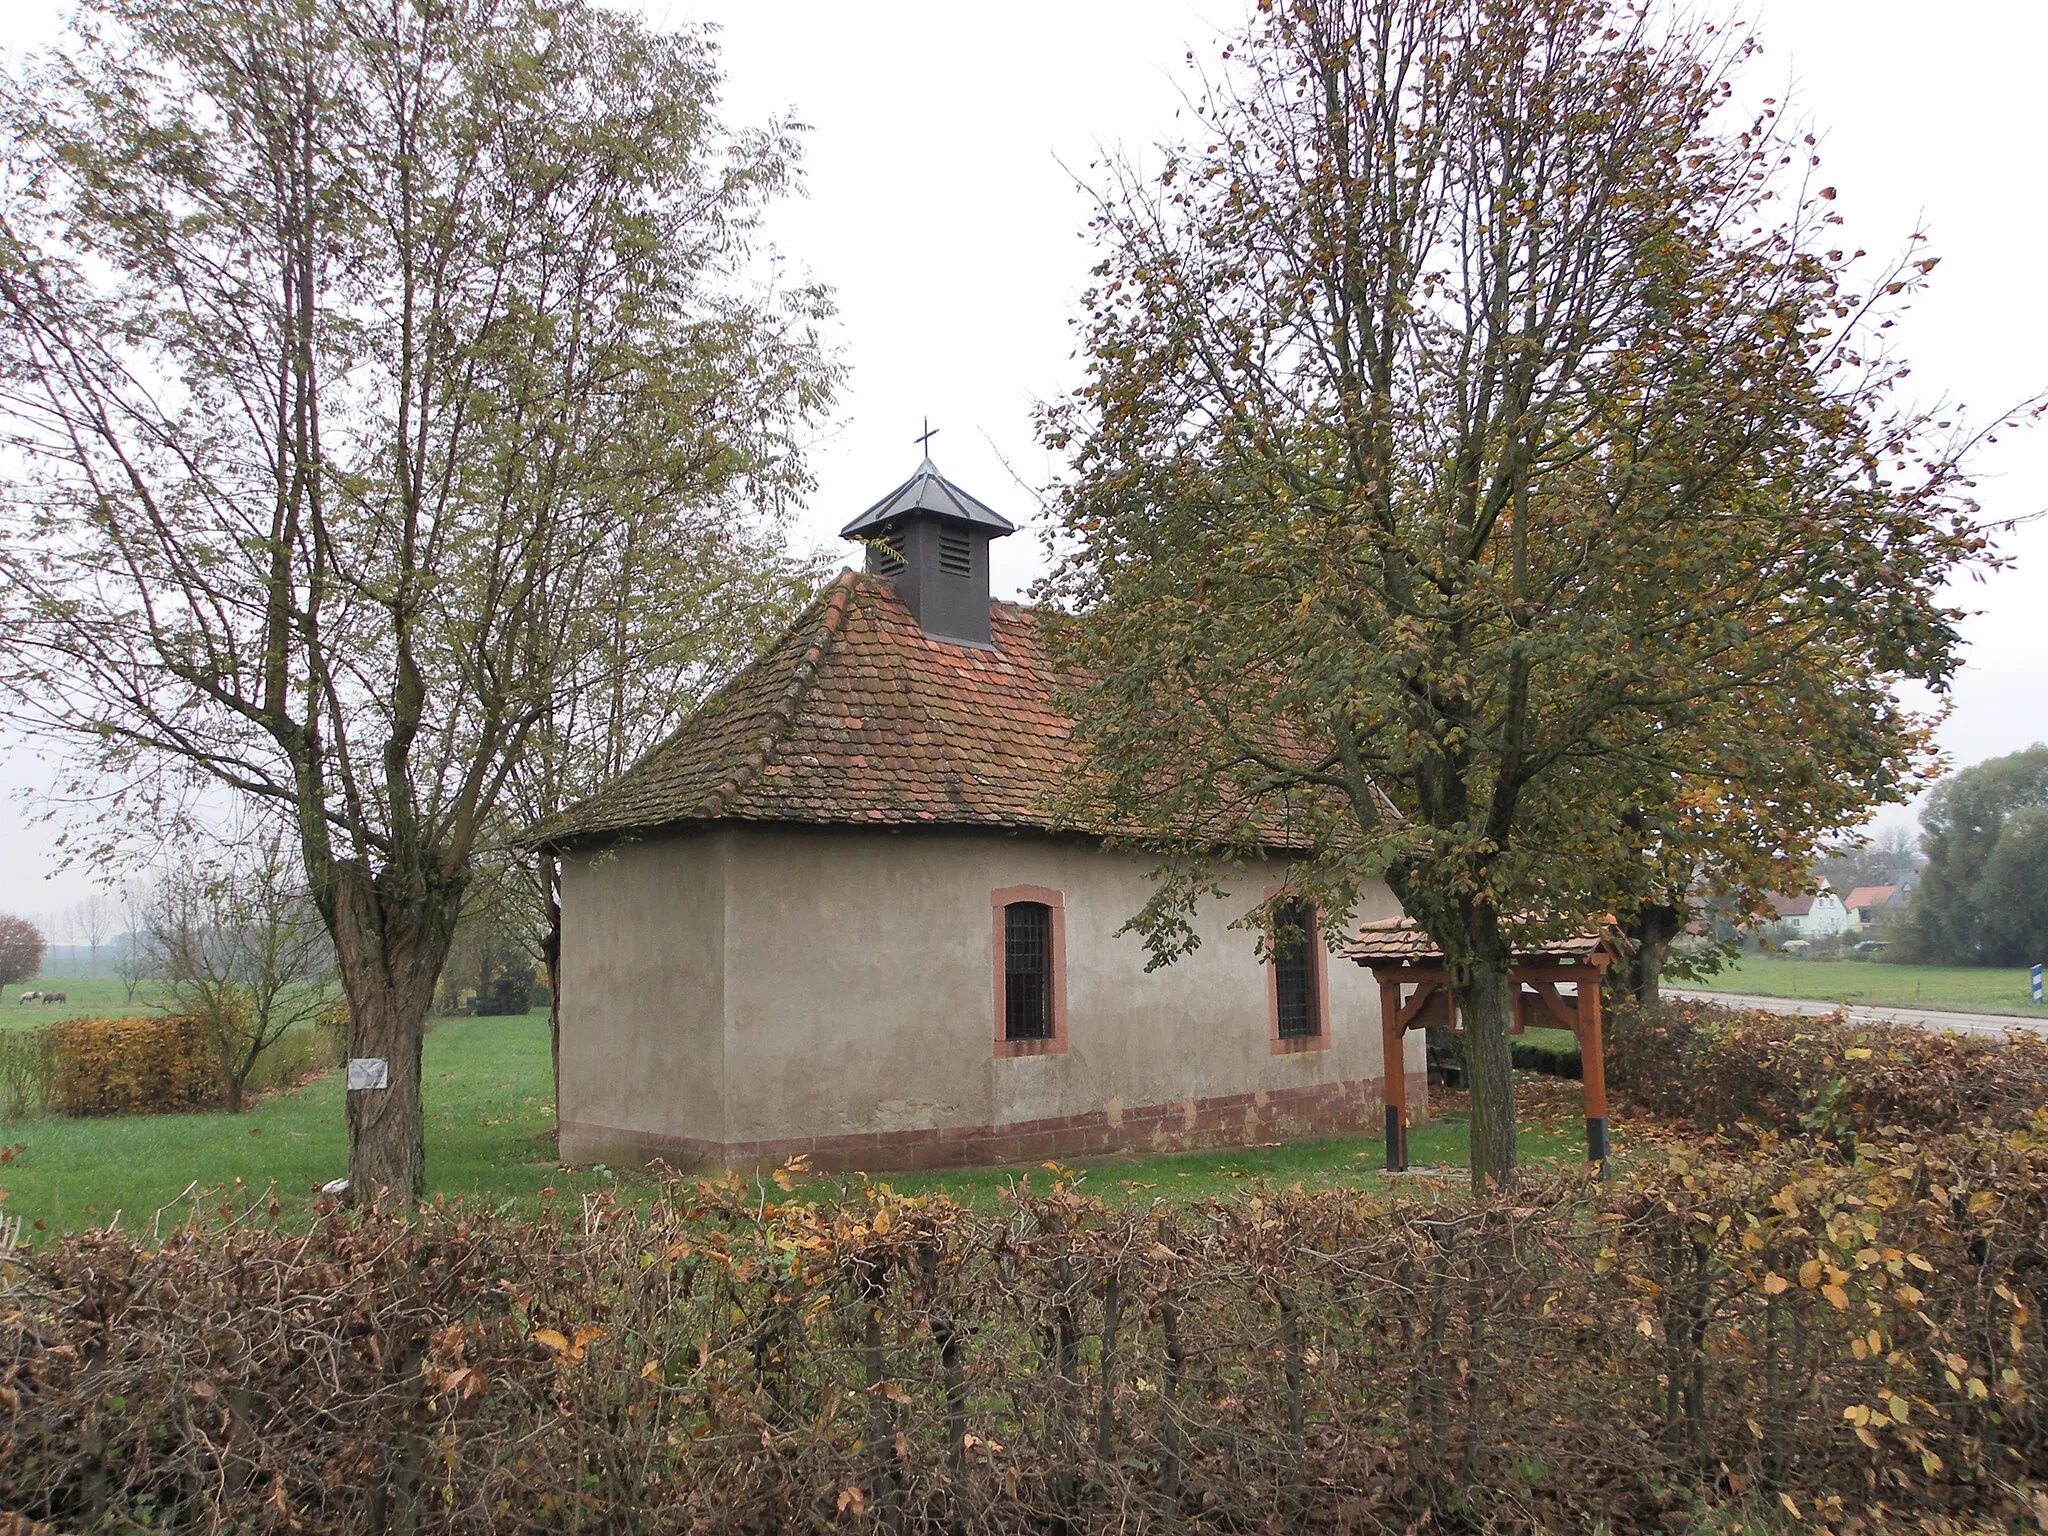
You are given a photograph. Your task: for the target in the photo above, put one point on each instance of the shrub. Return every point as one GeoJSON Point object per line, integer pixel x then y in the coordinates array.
{"type": "Point", "coordinates": [1847, 1338]}
{"type": "Point", "coordinates": [131, 1066]}
{"type": "Point", "coordinates": [25, 1064]}
{"type": "Point", "coordinates": [1553, 1052]}
{"type": "Point", "coordinates": [1728, 1069]}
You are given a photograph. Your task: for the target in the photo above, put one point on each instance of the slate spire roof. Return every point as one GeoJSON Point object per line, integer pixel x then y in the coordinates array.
{"type": "Point", "coordinates": [928, 491]}
{"type": "Point", "coordinates": [856, 717]}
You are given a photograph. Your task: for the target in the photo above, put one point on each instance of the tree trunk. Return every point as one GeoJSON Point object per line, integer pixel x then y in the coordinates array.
{"type": "Point", "coordinates": [551, 958]}
{"type": "Point", "coordinates": [391, 939]}
{"type": "Point", "coordinates": [1652, 929]}
{"type": "Point", "coordinates": [1483, 1003]}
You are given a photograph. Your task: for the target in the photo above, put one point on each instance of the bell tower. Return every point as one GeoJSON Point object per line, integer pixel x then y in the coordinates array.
{"type": "Point", "coordinates": [930, 539]}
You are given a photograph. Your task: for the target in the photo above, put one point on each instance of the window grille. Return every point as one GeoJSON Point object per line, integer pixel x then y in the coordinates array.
{"type": "Point", "coordinates": [1294, 971]}
{"type": "Point", "coordinates": [1027, 971]}
{"type": "Point", "coordinates": [956, 552]}
{"type": "Point", "coordinates": [885, 555]}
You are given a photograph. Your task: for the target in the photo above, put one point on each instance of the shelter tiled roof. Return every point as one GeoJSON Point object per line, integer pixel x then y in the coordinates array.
{"type": "Point", "coordinates": [1401, 941]}
{"type": "Point", "coordinates": [856, 717]}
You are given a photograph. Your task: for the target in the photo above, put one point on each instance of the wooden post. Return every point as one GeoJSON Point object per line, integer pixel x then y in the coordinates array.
{"type": "Point", "coordinates": [1593, 1067]}
{"type": "Point", "coordinates": [1392, 1036]}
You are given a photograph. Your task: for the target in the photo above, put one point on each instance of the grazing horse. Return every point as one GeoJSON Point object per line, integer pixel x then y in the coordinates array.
{"type": "Point", "coordinates": [55, 997]}
{"type": "Point", "coordinates": [28, 997]}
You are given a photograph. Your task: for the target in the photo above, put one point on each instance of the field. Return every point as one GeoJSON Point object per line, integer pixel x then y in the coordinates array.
{"type": "Point", "coordinates": [1961, 989]}
{"type": "Point", "coordinates": [101, 996]}
{"type": "Point", "coordinates": [489, 1125]}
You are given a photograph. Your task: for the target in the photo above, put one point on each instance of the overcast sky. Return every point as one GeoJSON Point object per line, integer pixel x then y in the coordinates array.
{"type": "Point", "coordinates": [945, 146]}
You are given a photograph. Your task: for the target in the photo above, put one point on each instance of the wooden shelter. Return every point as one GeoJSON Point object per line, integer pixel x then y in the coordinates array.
{"type": "Point", "coordinates": [1402, 957]}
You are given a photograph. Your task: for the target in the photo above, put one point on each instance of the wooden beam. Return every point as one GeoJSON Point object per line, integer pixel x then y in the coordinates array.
{"type": "Point", "coordinates": [1421, 1000]}
{"type": "Point", "coordinates": [1399, 971]}
{"type": "Point", "coordinates": [1567, 1018]}
{"type": "Point", "coordinates": [1593, 1072]}
{"type": "Point", "coordinates": [1394, 1085]}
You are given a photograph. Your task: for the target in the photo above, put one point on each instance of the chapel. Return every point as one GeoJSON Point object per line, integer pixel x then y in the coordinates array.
{"type": "Point", "coordinates": [837, 913]}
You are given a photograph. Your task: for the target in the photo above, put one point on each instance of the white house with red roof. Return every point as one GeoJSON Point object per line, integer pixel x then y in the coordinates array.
{"type": "Point", "coordinates": [1819, 915]}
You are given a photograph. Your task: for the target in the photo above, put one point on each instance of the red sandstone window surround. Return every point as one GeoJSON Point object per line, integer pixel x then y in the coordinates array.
{"type": "Point", "coordinates": [1030, 971]}
{"type": "Point", "coordinates": [1297, 983]}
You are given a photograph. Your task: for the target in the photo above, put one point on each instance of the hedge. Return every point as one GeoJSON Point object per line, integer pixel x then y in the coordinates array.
{"type": "Point", "coordinates": [130, 1066]}
{"type": "Point", "coordinates": [1748, 1073]}
{"type": "Point", "coordinates": [1859, 1343]}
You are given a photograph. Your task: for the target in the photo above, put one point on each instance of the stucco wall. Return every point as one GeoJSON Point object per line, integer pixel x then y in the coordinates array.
{"type": "Point", "coordinates": [857, 993]}
{"type": "Point", "coordinates": [643, 999]}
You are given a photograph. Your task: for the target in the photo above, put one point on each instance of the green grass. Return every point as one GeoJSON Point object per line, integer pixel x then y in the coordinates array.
{"type": "Point", "coordinates": [85, 998]}
{"type": "Point", "coordinates": [489, 1115]}
{"type": "Point", "coordinates": [487, 1100]}
{"type": "Point", "coordinates": [1962, 989]}
{"type": "Point", "coordinates": [1436, 1156]}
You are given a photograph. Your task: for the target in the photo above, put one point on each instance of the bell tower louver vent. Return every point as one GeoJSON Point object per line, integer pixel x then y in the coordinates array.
{"type": "Point", "coordinates": [956, 551]}
{"type": "Point", "coordinates": [885, 555]}
{"type": "Point", "coordinates": [929, 539]}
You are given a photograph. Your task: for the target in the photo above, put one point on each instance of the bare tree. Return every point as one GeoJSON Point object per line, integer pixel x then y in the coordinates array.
{"type": "Point", "coordinates": [92, 921]}
{"type": "Point", "coordinates": [134, 958]}
{"type": "Point", "coordinates": [244, 951]}
{"type": "Point", "coordinates": [351, 347]}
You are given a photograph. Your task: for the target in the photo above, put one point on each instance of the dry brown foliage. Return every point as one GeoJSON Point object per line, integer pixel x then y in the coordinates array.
{"type": "Point", "coordinates": [1750, 1073]}
{"type": "Point", "coordinates": [1852, 1340]}
{"type": "Point", "coordinates": [146, 1065]}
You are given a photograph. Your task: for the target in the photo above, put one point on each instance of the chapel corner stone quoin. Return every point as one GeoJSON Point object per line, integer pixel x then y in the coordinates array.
{"type": "Point", "coordinates": [835, 915]}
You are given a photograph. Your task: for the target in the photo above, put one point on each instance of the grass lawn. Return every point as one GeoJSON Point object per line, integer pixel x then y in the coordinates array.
{"type": "Point", "coordinates": [487, 1100]}
{"type": "Point", "coordinates": [1962, 989]}
{"type": "Point", "coordinates": [489, 1115]}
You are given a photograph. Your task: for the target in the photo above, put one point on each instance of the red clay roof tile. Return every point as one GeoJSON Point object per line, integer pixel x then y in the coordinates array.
{"type": "Point", "coordinates": [856, 715]}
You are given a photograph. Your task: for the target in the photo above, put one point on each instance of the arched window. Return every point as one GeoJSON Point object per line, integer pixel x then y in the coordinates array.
{"type": "Point", "coordinates": [1296, 994]}
{"type": "Point", "coordinates": [1030, 971]}
{"type": "Point", "coordinates": [1027, 971]}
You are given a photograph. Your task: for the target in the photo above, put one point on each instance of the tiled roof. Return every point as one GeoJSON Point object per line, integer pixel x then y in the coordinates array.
{"type": "Point", "coordinates": [1870, 896]}
{"type": "Point", "coordinates": [1793, 906]}
{"type": "Point", "coordinates": [856, 717]}
{"type": "Point", "coordinates": [1401, 941]}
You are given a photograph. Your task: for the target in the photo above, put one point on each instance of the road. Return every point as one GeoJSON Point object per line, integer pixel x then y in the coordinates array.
{"type": "Point", "coordinates": [1994, 1024]}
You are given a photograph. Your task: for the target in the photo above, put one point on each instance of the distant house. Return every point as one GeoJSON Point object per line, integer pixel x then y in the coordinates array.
{"type": "Point", "coordinates": [1821, 915]}
{"type": "Point", "coordinates": [1877, 906]}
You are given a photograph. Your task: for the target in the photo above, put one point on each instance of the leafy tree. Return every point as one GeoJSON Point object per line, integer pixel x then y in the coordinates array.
{"type": "Point", "coordinates": [21, 951]}
{"type": "Point", "coordinates": [1983, 895]}
{"type": "Point", "coordinates": [1487, 475]}
{"type": "Point", "coordinates": [349, 347]}
{"type": "Point", "coordinates": [243, 950]}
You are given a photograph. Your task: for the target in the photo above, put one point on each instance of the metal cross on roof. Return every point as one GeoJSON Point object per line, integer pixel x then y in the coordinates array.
{"type": "Point", "coordinates": [925, 438]}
